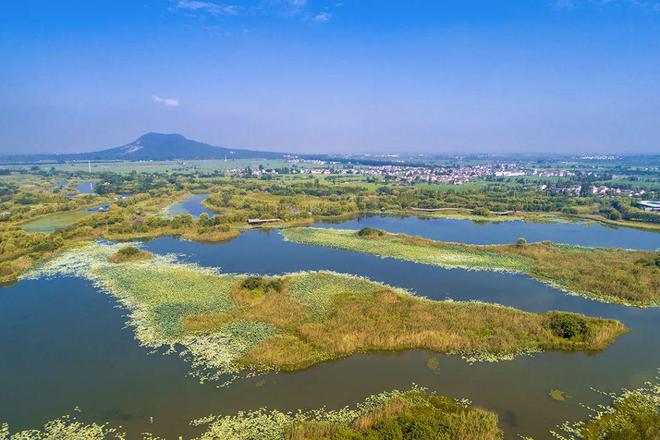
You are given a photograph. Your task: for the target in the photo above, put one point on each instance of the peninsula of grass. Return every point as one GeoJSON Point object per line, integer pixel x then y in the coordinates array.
{"type": "Point", "coordinates": [612, 275]}
{"type": "Point", "coordinates": [413, 414]}
{"type": "Point", "coordinates": [239, 323]}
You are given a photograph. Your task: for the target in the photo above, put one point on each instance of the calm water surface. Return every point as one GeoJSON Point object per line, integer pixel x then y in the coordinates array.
{"type": "Point", "coordinates": [86, 187]}
{"type": "Point", "coordinates": [192, 205]}
{"type": "Point", "coordinates": [466, 231]}
{"type": "Point", "coordinates": [64, 344]}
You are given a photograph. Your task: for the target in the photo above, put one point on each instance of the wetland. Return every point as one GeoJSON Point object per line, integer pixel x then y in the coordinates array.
{"type": "Point", "coordinates": [70, 339]}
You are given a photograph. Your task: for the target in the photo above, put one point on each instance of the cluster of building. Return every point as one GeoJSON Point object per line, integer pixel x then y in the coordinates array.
{"type": "Point", "coordinates": [456, 175]}
{"type": "Point", "coordinates": [603, 190]}
{"type": "Point", "coordinates": [575, 190]}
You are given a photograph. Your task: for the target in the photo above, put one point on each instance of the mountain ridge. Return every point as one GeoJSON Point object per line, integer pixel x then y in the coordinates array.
{"type": "Point", "coordinates": [152, 146]}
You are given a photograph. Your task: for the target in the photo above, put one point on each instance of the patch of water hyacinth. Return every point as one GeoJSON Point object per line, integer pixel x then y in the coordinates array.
{"type": "Point", "coordinates": [64, 428]}
{"type": "Point", "coordinates": [154, 293]}
{"type": "Point", "coordinates": [628, 277]}
{"type": "Point", "coordinates": [397, 246]}
{"type": "Point", "coordinates": [229, 324]}
{"type": "Point", "coordinates": [276, 425]}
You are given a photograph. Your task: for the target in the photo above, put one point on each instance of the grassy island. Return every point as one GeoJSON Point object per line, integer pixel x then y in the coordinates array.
{"type": "Point", "coordinates": [231, 323]}
{"type": "Point", "coordinates": [412, 414]}
{"type": "Point", "coordinates": [612, 275]}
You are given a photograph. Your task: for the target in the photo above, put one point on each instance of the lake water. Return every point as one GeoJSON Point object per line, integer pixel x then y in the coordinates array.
{"type": "Point", "coordinates": [465, 231]}
{"type": "Point", "coordinates": [86, 187]}
{"type": "Point", "coordinates": [192, 205]}
{"type": "Point", "coordinates": [64, 344]}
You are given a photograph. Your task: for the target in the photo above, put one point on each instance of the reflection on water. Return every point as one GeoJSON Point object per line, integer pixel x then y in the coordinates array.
{"type": "Point", "coordinates": [63, 345]}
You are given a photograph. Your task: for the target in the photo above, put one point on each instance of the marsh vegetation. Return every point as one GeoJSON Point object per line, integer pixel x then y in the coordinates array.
{"type": "Point", "coordinates": [231, 323]}
{"type": "Point", "coordinates": [633, 414]}
{"type": "Point", "coordinates": [413, 414]}
{"type": "Point", "coordinates": [241, 323]}
{"type": "Point", "coordinates": [613, 275]}
{"type": "Point", "coordinates": [130, 253]}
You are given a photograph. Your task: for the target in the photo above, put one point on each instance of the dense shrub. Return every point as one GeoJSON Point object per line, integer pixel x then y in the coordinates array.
{"type": "Point", "coordinates": [129, 253]}
{"type": "Point", "coordinates": [484, 212]}
{"type": "Point", "coordinates": [261, 283]}
{"type": "Point", "coordinates": [568, 326]}
{"type": "Point", "coordinates": [368, 232]}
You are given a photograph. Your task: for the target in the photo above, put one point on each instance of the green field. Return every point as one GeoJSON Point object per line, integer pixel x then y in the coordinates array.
{"type": "Point", "coordinates": [187, 166]}
{"type": "Point", "coordinates": [50, 223]}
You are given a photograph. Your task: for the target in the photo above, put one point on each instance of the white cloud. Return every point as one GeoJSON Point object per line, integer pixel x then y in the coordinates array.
{"type": "Point", "coordinates": [203, 6]}
{"type": "Point", "coordinates": [322, 17]}
{"type": "Point", "coordinates": [167, 102]}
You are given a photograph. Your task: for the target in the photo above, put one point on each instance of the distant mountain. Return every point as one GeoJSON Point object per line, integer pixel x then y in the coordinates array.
{"type": "Point", "coordinates": [153, 146]}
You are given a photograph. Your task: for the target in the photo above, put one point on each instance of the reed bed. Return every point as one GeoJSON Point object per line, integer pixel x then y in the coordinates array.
{"type": "Point", "coordinates": [229, 324]}
{"type": "Point", "coordinates": [611, 275]}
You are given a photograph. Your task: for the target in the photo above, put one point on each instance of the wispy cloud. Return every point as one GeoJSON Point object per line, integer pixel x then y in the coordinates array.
{"type": "Point", "coordinates": [167, 102]}
{"type": "Point", "coordinates": [300, 9]}
{"type": "Point", "coordinates": [208, 7]}
{"type": "Point", "coordinates": [322, 17]}
{"type": "Point", "coordinates": [650, 5]}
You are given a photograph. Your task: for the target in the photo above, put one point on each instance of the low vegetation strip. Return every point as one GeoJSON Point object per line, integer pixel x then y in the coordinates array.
{"type": "Point", "coordinates": [65, 428]}
{"type": "Point", "coordinates": [231, 324]}
{"type": "Point", "coordinates": [412, 414]}
{"type": "Point", "coordinates": [611, 275]}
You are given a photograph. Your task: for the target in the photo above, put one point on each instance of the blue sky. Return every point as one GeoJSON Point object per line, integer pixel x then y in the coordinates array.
{"type": "Point", "coordinates": [333, 76]}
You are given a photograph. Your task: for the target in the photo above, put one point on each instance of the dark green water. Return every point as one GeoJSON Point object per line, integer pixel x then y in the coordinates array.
{"type": "Point", "coordinates": [64, 344]}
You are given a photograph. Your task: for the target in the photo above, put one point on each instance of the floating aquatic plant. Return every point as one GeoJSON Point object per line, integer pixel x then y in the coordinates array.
{"type": "Point", "coordinates": [379, 416]}
{"type": "Point", "coordinates": [229, 325]}
{"type": "Point", "coordinates": [557, 395]}
{"type": "Point", "coordinates": [621, 276]}
{"type": "Point", "coordinates": [633, 414]}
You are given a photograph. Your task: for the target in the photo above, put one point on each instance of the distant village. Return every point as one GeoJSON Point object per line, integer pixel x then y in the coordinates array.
{"type": "Point", "coordinates": [455, 175]}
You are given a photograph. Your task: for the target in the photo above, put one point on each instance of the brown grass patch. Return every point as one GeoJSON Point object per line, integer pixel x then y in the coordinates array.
{"type": "Point", "coordinates": [385, 319]}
